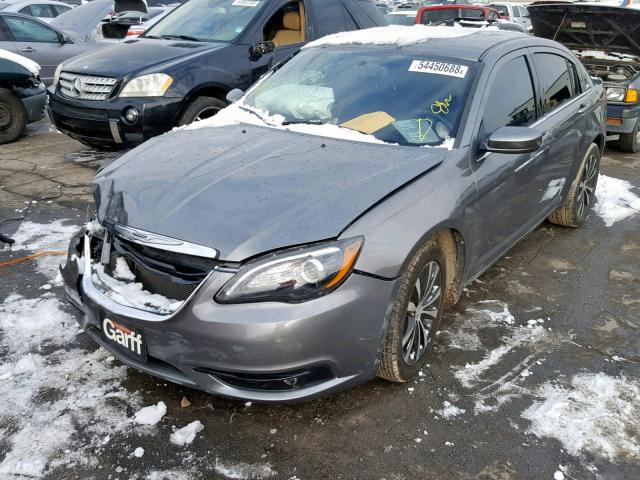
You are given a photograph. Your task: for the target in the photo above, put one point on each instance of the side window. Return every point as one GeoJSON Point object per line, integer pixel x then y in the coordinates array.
{"type": "Point", "coordinates": [511, 100]}
{"type": "Point", "coordinates": [38, 10]}
{"type": "Point", "coordinates": [287, 26]}
{"type": "Point", "coordinates": [516, 11]}
{"type": "Point", "coordinates": [555, 80]}
{"type": "Point", "coordinates": [332, 17]}
{"type": "Point", "coordinates": [5, 34]}
{"type": "Point", "coordinates": [523, 11]}
{"type": "Point", "coordinates": [25, 30]}
{"type": "Point", "coordinates": [60, 9]}
{"type": "Point", "coordinates": [583, 77]}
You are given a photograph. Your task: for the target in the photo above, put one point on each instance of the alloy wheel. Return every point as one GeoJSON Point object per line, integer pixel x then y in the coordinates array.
{"type": "Point", "coordinates": [206, 113]}
{"type": "Point", "coordinates": [422, 312]}
{"type": "Point", "coordinates": [586, 187]}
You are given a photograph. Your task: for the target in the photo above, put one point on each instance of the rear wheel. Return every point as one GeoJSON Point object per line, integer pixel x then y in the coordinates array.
{"type": "Point", "coordinates": [582, 194]}
{"type": "Point", "coordinates": [200, 108]}
{"type": "Point", "coordinates": [415, 315]}
{"type": "Point", "coordinates": [630, 142]}
{"type": "Point", "coordinates": [13, 117]}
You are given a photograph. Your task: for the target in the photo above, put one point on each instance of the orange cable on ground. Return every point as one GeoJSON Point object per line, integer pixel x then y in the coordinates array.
{"type": "Point", "coordinates": [30, 257]}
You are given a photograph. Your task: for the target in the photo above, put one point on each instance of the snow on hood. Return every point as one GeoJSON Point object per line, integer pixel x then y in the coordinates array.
{"type": "Point", "coordinates": [30, 65]}
{"type": "Point", "coordinates": [399, 35]}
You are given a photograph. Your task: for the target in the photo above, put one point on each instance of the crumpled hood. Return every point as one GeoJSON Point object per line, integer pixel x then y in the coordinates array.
{"type": "Point", "coordinates": [136, 56]}
{"type": "Point", "coordinates": [593, 27]}
{"type": "Point", "coordinates": [244, 190]}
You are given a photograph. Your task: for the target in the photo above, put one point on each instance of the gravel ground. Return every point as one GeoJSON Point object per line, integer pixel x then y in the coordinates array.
{"type": "Point", "coordinates": [535, 375]}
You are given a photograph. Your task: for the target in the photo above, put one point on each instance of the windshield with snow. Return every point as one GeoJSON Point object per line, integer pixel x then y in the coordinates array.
{"type": "Point", "coordinates": [207, 20]}
{"type": "Point", "coordinates": [396, 97]}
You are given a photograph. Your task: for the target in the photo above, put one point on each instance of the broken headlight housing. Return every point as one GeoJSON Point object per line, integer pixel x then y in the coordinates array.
{"type": "Point", "coordinates": [615, 94]}
{"type": "Point", "coordinates": [295, 275]}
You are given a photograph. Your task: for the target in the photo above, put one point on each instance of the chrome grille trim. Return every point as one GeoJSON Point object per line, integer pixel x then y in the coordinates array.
{"type": "Point", "coordinates": [86, 87]}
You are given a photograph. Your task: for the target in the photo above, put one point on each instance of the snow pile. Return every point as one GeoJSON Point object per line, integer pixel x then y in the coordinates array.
{"type": "Point", "coordinates": [25, 62]}
{"type": "Point", "coordinates": [597, 413]}
{"type": "Point", "coordinates": [48, 400]}
{"type": "Point", "coordinates": [150, 415]}
{"type": "Point", "coordinates": [616, 201]}
{"type": "Point", "coordinates": [133, 294]}
{"type": "Point", "coordinates": [399, 35]}
{"type": "Point", "coordinates": [498, 312]}
{"type": "Point", "coordinates": [138, 452]}
{"type": "Point", "coordinates": [244, 471]}
{"type": "Point", "coordinates": [186, 434]}
{"type": "Point", "coordinates": [448, 410]}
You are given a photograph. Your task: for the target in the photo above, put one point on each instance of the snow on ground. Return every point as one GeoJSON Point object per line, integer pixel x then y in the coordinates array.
{"type": "Point", "coordinates": [37, 237]}
{"type": "Point", "coordinates": [244, 471]}
{"type": "Point", "coordinates": [48, 399]}
{"type": "Point", "coordinates": [186, 434]}
{"type": "Point", "coordinates": [616, 201]}
{"type": "Point", "coordinates": [594, 413]}
{"type": "Point", "coordinates": [448, 410]}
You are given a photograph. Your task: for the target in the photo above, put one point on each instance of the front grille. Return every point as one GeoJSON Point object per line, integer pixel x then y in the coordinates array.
{"type": "Point", "coordinates": [157, 283]}
{"type": "Point", "coordinates": [86, 87]}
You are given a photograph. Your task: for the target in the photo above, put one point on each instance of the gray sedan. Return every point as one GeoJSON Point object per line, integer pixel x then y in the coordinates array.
{"type": "Point", "coordinates": [309, 236]}
{"type": "Point", "coordinates": [42, 43]}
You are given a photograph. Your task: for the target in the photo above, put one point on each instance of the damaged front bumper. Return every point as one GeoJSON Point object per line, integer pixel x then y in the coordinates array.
{"type": "Point", "coordinates": [268, 352]}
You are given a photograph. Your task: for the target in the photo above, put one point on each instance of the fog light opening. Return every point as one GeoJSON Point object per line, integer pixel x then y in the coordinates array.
{"type": "Point", "coordinates": [131, 115]}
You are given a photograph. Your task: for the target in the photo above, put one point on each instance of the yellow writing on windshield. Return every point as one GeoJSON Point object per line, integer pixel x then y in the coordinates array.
{"type": "Point", "coordinates": [441, 106]}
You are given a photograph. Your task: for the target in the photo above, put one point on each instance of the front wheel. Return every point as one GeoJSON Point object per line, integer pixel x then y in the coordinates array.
{"type": "Point", "coordinates": [630, 142]}
{"type": "Point", "coordinates": [582, 194]}
{"type": "Point", "coordinates": [13, 117]}
{"type": "Point", "coordinates": [415, 315]}
{"type": "Point", "coordinates": [200, 108]}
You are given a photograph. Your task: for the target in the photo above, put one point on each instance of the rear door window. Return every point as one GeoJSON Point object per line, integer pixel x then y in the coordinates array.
{"type": "Point", "coordinates": [332, 17]}
{"type": "Point", "coordinates": [555, 80]}
{"type": "Point", "coordinates": [511, 100]}
{"type": "Point", "coordinates": [38, 10]}
{"type": "Point", "coordinates": [60, 9]}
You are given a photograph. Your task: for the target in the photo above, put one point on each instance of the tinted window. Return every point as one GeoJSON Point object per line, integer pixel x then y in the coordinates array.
{"type": "Point", "coordinates": [511, 99]}
{"type": "Point", "coordinates": [502, 9]}
{"type": "Point", "coordinates": [555, 79]}
{"type": "Point", "coordinates": [448, 16]}
{"type": "Point", "coordinates": [401, 19]}
{"type": "Point", "coordinates": [25, 30]}
{"type": "Point", "coordinates": [60, 9]}
{"type": "Point", "coordinates": [332, 17]}
{"type": "Point", "coordinates": [41, 11]}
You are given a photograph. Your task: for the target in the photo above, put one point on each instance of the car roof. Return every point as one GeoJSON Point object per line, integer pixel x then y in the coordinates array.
{"type": "Point", "coordinates": [457, 42]}
{"type": "Point", "coordinates": [19, 3]}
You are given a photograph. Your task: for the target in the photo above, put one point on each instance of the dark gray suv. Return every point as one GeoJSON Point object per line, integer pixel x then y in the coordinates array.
{"type": "Point", "coordinates": [307, 237]}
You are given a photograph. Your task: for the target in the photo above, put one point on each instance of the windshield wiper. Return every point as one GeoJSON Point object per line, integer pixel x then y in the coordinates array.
{"type": "Point", "coordinates": [304, 122]}
{"type": "Point", "coordinates": [181, 37]}
{"type": "Point", "coordinates": [246, 109]}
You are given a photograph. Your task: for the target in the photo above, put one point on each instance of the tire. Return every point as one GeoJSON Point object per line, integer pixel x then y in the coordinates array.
{"type": "Point", "coordinates": [13, 117]}
{"type": "Point", "coordinates": [394, 363]}
{"type": "Point", "coordinates": [581, 197]}
{"type": "Point", "coordinates": [630, 142]}
{"type": "Point", "coordinates": [200, 108]}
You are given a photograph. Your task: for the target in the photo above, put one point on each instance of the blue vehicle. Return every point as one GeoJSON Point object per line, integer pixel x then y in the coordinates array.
{"type": "Point", "coordinates": [611, 54]}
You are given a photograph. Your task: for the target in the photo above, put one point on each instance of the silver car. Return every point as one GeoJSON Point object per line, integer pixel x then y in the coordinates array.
{"type": "Point", "coordinates": [45, 10]}
{"type": "Point", "coordinates": [307, 237]}
{"type": "Point", "coordinates": [42, 43]}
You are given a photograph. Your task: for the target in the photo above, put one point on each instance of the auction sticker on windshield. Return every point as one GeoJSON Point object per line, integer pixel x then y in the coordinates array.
{"type": "Point", "coordinates": [245, 3]}
{"type": "Point", "coordinates": [439, 68]}
{"type": "Point", "coordinates": [124, 338]}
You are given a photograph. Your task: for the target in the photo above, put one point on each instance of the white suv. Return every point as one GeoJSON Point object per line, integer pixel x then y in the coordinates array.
{"type": "Point", "coordinates": [513, 12]}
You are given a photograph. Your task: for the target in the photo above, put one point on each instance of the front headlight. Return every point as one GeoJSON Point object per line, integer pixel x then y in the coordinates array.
{"type": "Point", "coordinates": [616, 94]}
{"type": "Point", "coordinates": [56, 75]}
{"type": "Point", "coordinates": [295, 275]}
{"type": "Point", "coordinates": [152, 85]}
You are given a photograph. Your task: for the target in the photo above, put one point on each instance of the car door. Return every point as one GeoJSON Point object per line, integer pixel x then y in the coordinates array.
{"type": "Point", "coordinates": [505, 208]}
{"type": "Point", "coordinates": [278, 25]}
{"type": "Point", "coordinates": [40, 43]}
{"type": "Point", "coordinates": [564, 119]}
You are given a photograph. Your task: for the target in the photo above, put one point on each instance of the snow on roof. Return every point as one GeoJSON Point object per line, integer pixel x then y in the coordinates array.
{"type": "Point", "coordinates": [392, 35]}
{"type": "Point", "coordinates": [30, 65]}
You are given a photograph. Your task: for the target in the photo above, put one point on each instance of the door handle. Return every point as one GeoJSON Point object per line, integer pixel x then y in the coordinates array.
{"type": "Point", "coordinates": [583, 108]}
{"type": "Point", "coordinates": [28, 50]}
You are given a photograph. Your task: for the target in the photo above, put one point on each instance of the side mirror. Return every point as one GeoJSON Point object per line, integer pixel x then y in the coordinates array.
{"type": "Point", "coordinates": [62, 38]}
{"type": "Point", "coordinates": [514, 140]}
{"type": "Point", "coordinates": [262, 48]}
{"type": "Point", "coordinates": [234, 95]}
